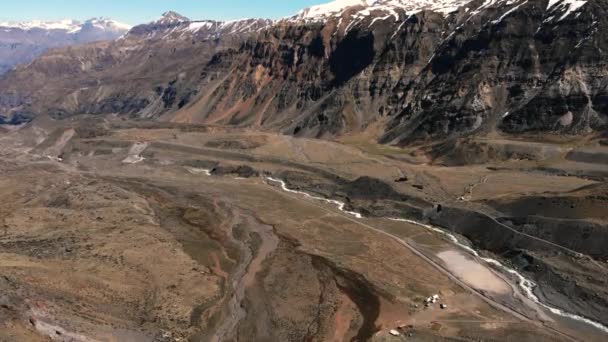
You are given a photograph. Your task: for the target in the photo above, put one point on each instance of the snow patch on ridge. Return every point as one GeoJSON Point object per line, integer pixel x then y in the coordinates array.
{"type": "Point", "coordinates": [338, 7]}
{"type": "Point", "coordinates": [570, 6]}
{"type": "Point", "coordinates": [199, 25]}
{"type": "Point", "coordinates": [509, 12]}
{"type": "Point", "coordinates": [175, 26]}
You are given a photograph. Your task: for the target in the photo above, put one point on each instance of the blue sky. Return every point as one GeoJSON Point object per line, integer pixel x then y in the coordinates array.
{"type": "Point", "coordinates": [139, 11]}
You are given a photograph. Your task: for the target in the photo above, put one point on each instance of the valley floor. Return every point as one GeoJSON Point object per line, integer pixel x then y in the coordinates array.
{"type": "Point", "coordinates": [121, 231]}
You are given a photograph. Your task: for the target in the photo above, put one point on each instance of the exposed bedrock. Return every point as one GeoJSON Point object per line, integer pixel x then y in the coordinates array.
{"type": "Point", "coordinates": [565, 283]}
{"type": "Point", "coordinates": [513, 66]}
{"type": "Point", "coordinates": [578, 235]}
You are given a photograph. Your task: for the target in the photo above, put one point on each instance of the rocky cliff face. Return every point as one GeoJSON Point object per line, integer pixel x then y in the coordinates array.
{"type": "Point", "coordinates": [410, 70]}
{"type": "Point", "coordinates": [527, 66]}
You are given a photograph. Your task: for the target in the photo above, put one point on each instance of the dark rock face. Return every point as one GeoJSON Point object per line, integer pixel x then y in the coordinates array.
{"type": "Point", "coordinates": [524, 72]}
{"type": "Point", "coordinates": [371, 188]}
{"type": "Point", "coordinates": [242, 171]}
{"type": "Point", "coordinates": [589, 238]}
{"type": "Point", "coordinates": [510, 66]}
{"type": "Point", "coordinates": [587, 298]}
{"type": "Point", "coordinates": [15, 119]}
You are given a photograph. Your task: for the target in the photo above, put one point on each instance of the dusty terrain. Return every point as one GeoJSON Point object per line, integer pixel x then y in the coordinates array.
{"type": "Point", "coordinates": [121, 231]}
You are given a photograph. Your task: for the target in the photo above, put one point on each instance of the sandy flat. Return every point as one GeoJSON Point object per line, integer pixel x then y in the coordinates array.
{"type": "Point", "coordinates": [473, 272]}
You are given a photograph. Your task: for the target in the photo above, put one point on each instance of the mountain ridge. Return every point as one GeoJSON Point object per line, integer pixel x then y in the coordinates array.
{"type": "Point", "coordinates": [70, 25]}
{"type": "Point", "coordinates": [22, 42]}
{"type": "Point", "coordinates": [512, 66]}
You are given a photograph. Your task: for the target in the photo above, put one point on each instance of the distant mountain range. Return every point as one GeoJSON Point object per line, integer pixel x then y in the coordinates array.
{"type": "Point", "coordinates": [404, 70]}
{"type": "Point", "coordinates": [22, 42]}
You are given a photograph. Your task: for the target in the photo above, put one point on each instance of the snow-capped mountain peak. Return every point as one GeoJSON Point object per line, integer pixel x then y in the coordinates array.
{"type": "Point", "coordinates": [107, 24]}
{"type": "Point", "coordinates": [69, 25]}
{"type": "Point", "coordinates": [66, 25]}
{"type": "Point", "coordinates": [22, 42]}
{"type": "Point", "coordinates": [171, 17]}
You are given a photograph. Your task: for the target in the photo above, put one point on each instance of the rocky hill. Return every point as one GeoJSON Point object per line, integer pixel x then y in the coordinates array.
{"type": "Point", "coordinates": [405, 70]}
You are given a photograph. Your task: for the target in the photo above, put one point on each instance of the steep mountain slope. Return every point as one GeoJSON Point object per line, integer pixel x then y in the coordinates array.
{"type": "Point", "coordinates": [23, 42]}
{"type": "Point", "coordinates": [411, 70]}
{"type": "Point", "coordinates": [135, 74]}
{"type": "Point", "coordinates": [529, 68]}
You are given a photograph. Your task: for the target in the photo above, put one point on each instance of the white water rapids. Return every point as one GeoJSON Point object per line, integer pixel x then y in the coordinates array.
{"type": "Point", "coordinates": [525, 284]}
